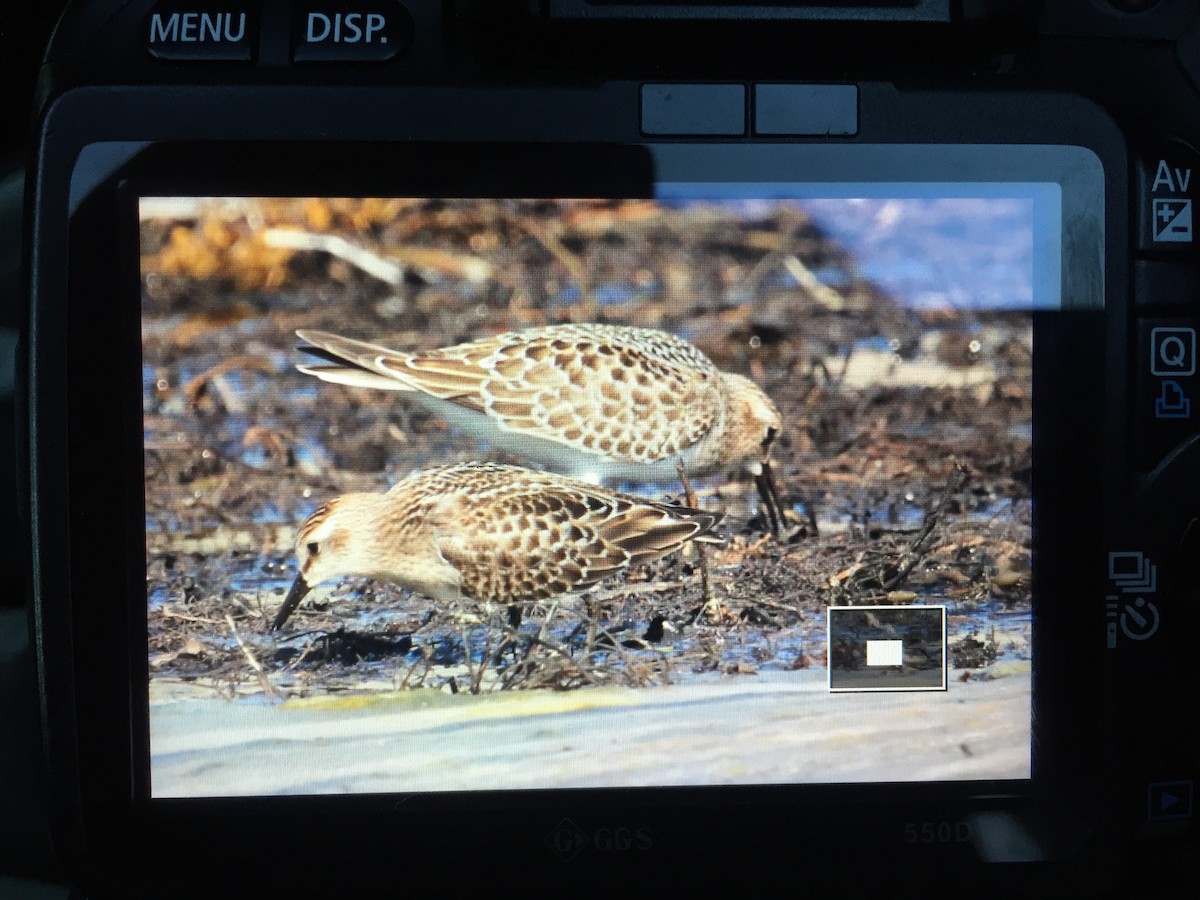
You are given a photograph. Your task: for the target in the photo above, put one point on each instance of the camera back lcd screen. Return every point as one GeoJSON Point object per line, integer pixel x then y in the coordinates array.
{"type": "Point", "coordinates": [727, 486]}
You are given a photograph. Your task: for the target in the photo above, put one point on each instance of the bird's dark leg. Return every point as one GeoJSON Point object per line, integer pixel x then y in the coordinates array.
{"type": "Point", "coordinates": [513, 616]}
{"type": "Point", "coordinates": [701, 556]}
{"type": "Point", "coordinates": [592, 613]}
{"type": "Point", "coordinates": [769, 496]}
{"type": "Point", "coordinates": [773, 508]}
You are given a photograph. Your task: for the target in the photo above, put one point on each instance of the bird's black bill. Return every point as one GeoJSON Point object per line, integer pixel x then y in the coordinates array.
{"type": "Point", "coordinates": [290, 602]}
{"type": "Point", "coordinates": [769, 495]}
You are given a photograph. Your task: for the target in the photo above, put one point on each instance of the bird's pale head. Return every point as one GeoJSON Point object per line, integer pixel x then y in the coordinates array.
{"type": "Point", "coordinates": [754, 424]}
{"type": "Point", "coordinates": [332, 543]}
{"type": "Point", "coordinates": [324, 541]}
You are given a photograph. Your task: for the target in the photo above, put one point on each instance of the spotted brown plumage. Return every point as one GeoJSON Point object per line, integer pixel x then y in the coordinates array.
{"type": "Point", "coordinates": [489, 533]}
{"type": "Point", "coordinates": [598, 402]}
{"type": "Point", "coordinates": [611, 394]}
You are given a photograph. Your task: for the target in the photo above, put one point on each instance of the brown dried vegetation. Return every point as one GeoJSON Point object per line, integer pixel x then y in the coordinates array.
{"type": "Point", "coordinates": [922, 491]}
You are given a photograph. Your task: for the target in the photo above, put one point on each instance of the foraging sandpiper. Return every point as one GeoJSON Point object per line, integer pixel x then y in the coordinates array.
{"type": "Point", "coordinates": [488, 532]}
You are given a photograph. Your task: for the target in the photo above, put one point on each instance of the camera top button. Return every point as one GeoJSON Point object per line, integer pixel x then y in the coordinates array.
{"type": "Point", "coordinates": [694, 109]}
{"type": "Point", "coordinates": [1168, 192]}
{"type": "Point", "coordinates": [1166, 285]}
{"type": "Point", "coordinates": [201, 31]}
{"type": "Point", "coordinates": [350, 32]}
{"type": "Point", "coordinates": [806, 109]}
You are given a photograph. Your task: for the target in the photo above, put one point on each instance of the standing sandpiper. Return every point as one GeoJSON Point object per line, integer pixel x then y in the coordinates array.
{"type": "Point", "coordinates": [597, 402]}
{"type": "Point", "coordinates": [488, 532]}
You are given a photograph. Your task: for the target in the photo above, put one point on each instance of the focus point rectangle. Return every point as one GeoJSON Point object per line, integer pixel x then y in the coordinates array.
{"type": "Point", "coordinates": [885, 653]}
{"type": "Point", "coordinates": [887, 648]}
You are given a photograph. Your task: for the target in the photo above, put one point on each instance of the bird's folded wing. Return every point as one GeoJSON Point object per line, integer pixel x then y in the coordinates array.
{"type": "Point", "coordinates": [629, 400]}
{"type": "Point", "coordinates": [551, 539]}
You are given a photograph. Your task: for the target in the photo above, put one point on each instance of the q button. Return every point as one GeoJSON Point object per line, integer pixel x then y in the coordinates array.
{"type": "Point", "coordinates": [1172, 351]}
{"type": "Point", "coordinates": [1166, 387]}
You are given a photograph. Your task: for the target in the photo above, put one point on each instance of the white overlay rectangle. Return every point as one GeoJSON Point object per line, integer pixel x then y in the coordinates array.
{"type": "Point", "coordinates": [885, 653]}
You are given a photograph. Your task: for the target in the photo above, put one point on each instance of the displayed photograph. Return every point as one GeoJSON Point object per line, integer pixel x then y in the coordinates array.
{"type": "Point", "coordinates": [456, 494]}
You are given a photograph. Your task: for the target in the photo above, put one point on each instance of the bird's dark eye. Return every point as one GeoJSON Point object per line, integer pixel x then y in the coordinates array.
{"type": "Point", "coordinates": [312, 548]}
{"type": "Point", "coordinates": [771, 432]}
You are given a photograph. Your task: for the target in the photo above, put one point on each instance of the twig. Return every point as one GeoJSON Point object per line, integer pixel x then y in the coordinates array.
{"type": "Point", "coordinates": [592, 621]}
{"type": "Point", "coordinates": [817, 289]}
{"type": "Point", "coordinates": [359, 257]}
{"type": "Point", "coordinates": [477, 677]}
{"type": "Point", "coordinates": [553, 646]}
{"type": "Point", "coordinates": [550, 241]}
{"type": "Point", "coordinates": [631, 667]}
{"type": "Point", "coordinates": [649, 587]}
{"type": "Point", "coordinates": [166, 612]}
{"type": "Point", "coordinates": [841, 376]}
{"type": "Point", "coordinates": [196, 387]}
{"type": "Point", "coordinates": [920, 545]}
{"type": "Point", "coordinates": [254, 663]}
{"type": "Point", "coordinates": [215, 686]}
{"type": "Point", "coordinates": [556, 248]}
{"type": "Point", "coordinates": [301, 657]}
{"type": "Point", "coordinates": [771, 604]}
{"type": "Point", "coordinates": [518, 669]}
{"type": "Point", "coordinates": [411, 669]}
{"type": "Point", "coordinates": [462, 631]}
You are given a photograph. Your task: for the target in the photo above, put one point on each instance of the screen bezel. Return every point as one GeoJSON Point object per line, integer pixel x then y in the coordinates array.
{"type": "Point", "coordinates": [104, 254]}
{"type": "Point", "coordinates": [906, 170]}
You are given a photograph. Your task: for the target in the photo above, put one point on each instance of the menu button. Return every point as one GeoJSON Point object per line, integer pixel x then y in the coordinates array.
{"type": "Point", "coordinates": [200, 32]}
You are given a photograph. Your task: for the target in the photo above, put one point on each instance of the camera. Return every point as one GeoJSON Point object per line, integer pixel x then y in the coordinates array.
{"type": "Point", "coordinates": [617, 443]}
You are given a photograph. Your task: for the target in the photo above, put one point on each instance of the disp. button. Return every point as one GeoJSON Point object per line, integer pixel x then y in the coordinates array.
{"type": "Point", "coordinates": [367, 32]}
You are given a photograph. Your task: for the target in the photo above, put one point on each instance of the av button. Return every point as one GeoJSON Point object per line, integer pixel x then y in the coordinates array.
{"type": "Point", "coordinates": [1167, 199]}
{"type": "Point", "coordinates": [366, 32]}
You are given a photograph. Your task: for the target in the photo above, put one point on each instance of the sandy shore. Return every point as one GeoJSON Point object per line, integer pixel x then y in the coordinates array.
{"type": "Point", "coordinates": [770, 728]}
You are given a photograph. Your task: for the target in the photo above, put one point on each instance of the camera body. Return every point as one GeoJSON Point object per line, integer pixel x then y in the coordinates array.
{"type": "Point", "coordinates": [173, 101]}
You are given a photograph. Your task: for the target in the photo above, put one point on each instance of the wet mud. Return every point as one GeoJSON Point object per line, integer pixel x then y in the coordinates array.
{"type": "Point", "coordinates": [907, 442]}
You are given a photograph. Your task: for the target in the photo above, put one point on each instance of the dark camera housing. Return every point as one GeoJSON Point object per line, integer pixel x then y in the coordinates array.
{"type": "Point", "coordinates": [587, 100]}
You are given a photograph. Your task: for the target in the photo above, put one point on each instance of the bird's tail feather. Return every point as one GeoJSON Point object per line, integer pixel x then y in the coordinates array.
{"type": "Point", "coordinates": [354, 377]}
